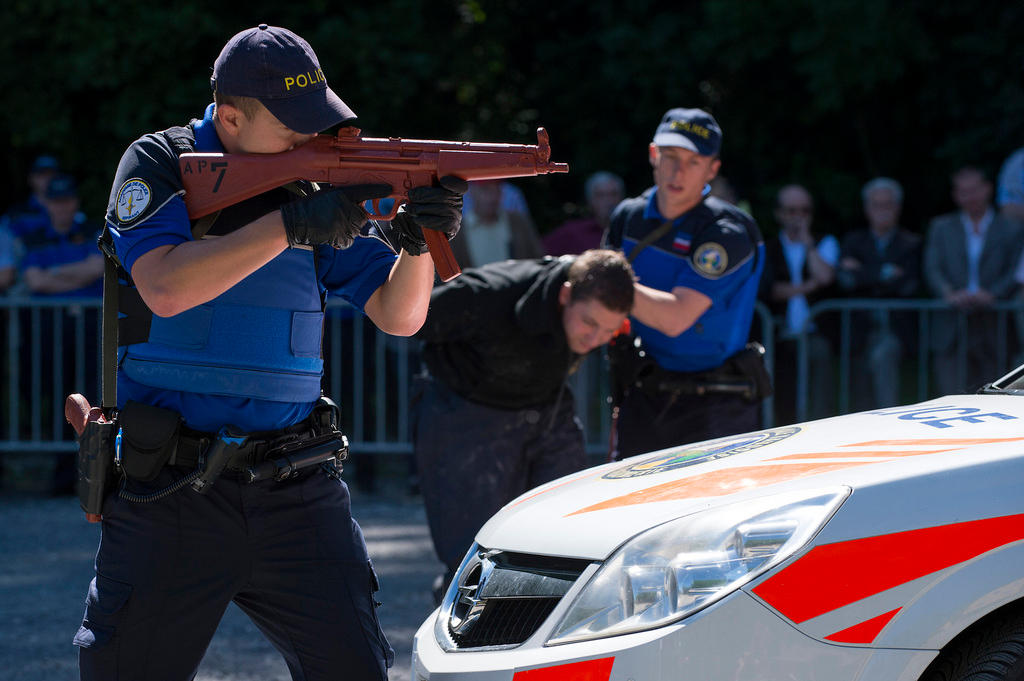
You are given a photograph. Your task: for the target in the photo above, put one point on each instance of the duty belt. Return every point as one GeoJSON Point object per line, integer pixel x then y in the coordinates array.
{"type": "Point", "coordinates": [698, 383]}
{"type": "Point", "coordinates": [193, 444]}
{"type": "Point", "coordinates": [274, 455]}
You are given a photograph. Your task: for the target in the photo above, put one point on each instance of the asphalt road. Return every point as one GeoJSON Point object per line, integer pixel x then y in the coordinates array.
{"type": "Point", "coordinates": [46, 562]}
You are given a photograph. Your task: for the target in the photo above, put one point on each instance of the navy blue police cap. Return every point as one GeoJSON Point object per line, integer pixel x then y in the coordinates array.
{"type": "Point", "coordinates": [693, 129]}
{"type": "Point", "coordinates": [280, 69]}
{"type": "Point", "coordinates": [62, 186]}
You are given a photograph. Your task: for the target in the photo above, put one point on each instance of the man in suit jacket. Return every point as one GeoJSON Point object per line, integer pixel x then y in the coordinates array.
{"type": "Point", "coordinates": [970, 258]}
{"type": "Point", "coordinates": [882, 260]}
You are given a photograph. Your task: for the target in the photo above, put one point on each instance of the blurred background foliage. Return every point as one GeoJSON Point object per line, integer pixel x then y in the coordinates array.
{"type": "Point", "coordinates": [828, 93]}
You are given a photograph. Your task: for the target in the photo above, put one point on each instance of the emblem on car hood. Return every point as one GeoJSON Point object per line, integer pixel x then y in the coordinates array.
{"type": "Point", "coordinates": [716, 449]}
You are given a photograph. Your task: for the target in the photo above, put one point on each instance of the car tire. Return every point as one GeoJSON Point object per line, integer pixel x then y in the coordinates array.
{"type": "Point", "coordinates": [991, 653]}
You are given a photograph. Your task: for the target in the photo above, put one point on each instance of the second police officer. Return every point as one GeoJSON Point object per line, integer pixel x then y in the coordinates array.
{"type": "Point", "coordinates": [698, 262]}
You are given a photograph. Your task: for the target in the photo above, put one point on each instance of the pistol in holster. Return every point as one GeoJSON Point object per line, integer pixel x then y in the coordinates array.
{"type": "Point", "coordinates": [629, 363]}
{"type": "Point", "coordinates": [96, 471]}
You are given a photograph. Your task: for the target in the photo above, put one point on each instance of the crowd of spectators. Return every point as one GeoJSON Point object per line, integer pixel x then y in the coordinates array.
{"type": "Point", "coordinates": [47, 245]}
{"type": "Point", "coordinates": [970, 259]}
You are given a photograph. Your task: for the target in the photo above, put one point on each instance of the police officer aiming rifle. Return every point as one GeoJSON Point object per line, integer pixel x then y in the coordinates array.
{"type": "Point", "coordinates": [218, 388]}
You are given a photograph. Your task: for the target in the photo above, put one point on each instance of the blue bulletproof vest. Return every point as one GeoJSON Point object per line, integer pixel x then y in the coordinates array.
{"type": "Point", "coordinates": [260, 339]}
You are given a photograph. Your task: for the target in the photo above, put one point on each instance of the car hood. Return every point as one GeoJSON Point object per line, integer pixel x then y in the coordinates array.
{"type": "Point", "coordinates": [590, 513]}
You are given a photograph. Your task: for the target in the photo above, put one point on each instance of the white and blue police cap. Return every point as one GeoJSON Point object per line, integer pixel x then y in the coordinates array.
{"type": "Point", "coordinates": [693, 129]}
{"type": "Point", "coordinates": [280, 69]}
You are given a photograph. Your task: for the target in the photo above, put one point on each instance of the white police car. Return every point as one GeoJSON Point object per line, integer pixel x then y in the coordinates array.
{"type": "Point", "coordinates": [885, 545]}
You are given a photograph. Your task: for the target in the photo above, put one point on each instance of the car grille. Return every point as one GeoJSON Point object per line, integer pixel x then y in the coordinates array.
{"type": "Point", "coordinates": [502, 598]}
{"type": "Point", "coordinates": [506, 621]}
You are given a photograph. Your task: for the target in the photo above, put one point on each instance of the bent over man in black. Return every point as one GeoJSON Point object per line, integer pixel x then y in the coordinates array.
{"type": "Point", "coordinates": [495, 417]}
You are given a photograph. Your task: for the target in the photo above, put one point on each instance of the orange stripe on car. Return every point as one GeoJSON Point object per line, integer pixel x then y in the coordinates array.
{"type": "Point", "coordinates": [928, 442]}
{"type": "Point", "coordinates": [953, 444]}
{"type": "Point", "coordinates": [728, 480]}
{"type": "Point", "coordinates": [719, 483]}
{"type": "Point", "coordinates": [874, 453]}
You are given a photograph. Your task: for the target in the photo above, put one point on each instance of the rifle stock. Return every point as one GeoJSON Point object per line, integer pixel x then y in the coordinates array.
{"type": "Point", "coordinates": [215, 181]}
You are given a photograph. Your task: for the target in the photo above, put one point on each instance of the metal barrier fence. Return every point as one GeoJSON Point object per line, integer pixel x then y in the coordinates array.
{"type": "Point", "coordinates": [51, 347]}
{"type": "Point", "coordinates": [1005, 320]}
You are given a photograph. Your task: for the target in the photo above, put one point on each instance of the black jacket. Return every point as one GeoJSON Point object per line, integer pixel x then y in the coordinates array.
{"type": "Point", "coordinates": [903, 251]}
{"type": "Point", "coordinates": [872, 280]}
{"type": "Point", "coordinates": [494, 335]}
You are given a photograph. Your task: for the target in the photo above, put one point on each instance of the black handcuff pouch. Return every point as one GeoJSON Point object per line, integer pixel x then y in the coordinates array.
{"type": "Point", "coordinates": [149, 436]}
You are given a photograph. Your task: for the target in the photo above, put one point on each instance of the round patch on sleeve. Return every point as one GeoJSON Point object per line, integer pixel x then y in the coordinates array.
{"type": "Point", "coordinates": [132, 199]}
{"type": "Point", "coordinates": [710, 258]}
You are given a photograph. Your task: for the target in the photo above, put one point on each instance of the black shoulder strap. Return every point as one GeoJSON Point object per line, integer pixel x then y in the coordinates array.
{"type": "Point", "coordinates": [755, 238]}
{"type": "Point", "coordinates": [108, 359]}
{"type": "Point", "coordinates": [652, 236]}
{"type": "Point", "coordinates": [109, 337]}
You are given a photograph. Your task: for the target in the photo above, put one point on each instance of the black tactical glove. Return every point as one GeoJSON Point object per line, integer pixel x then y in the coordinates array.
{"type": "Point", "coordinates": [330, 216]}
{"type": "Point", "coordinates": [437, 208]}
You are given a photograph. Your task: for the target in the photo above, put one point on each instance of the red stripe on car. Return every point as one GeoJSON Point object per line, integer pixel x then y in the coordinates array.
{"type": "Point", "coordinates": [589, 670]}
{"type": "Point", "coordinates": [864, 632]}
{"type": "Point", "coordinates": [830, 576]}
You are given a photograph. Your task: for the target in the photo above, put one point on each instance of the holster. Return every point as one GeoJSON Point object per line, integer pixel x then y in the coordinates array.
{"type": "Point", "coordinates": [629, 363]}
{"type": "Point", "coordinates": [749, 363]}
{"type": "Point", "coordinates": [96, 464]}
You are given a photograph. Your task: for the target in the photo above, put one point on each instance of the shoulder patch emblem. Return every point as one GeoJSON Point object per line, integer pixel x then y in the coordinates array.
{"type": "Point", "coordinates": [132, 199]}
{"type": "Point", "coordinates": [710, 258]}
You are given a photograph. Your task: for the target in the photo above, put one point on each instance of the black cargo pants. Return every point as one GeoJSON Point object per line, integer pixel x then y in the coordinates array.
{"type": "Point", "coordinates": [289, 554]}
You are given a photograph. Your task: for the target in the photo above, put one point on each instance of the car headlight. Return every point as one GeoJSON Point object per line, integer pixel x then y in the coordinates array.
{"type": "Point", "coordinates": [669, 572]}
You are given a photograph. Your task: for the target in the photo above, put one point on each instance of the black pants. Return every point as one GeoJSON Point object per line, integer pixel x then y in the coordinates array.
{"type": "Point", "coordinates": [474, 459]}
{"type": "Point", "coordinates": [651, 420]}
{"type": "Point", "coordinates": [288, 554]}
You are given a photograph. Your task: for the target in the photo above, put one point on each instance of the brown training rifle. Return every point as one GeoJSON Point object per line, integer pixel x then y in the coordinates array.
{"type": "Point", "coordinates": [214, 181]}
